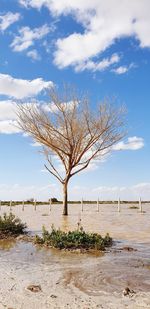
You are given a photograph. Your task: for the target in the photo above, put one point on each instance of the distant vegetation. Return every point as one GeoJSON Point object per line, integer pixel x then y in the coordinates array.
{"type": "Point", "coordinates": [30, 202]}
{"type": "Point", "coordinates": [73, 240]}
{"type": "Point", "coordinates": [56, 201]}
{"type": "Point", "coordinates": [11, 225]}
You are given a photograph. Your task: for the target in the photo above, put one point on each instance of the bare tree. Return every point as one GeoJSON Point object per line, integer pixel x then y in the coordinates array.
{"type": "Point", "coordinates": [69, 130]}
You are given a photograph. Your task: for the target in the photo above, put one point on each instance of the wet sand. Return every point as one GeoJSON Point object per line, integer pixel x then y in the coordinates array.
{"type": "Point", "coordinates": [73, 280]}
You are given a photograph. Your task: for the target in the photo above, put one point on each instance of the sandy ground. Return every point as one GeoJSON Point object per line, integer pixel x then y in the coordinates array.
{"type": "Point", "coordinates": [70, 280]}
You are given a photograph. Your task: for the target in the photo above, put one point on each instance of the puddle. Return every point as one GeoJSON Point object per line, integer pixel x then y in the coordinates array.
{"type": "Point", "coordinates": [113, 272]}
{"type": "Point", "coordinates": [110, 272]}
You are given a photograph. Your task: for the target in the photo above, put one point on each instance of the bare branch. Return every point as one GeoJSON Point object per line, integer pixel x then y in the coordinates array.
{"type": "Point", "coordinates": [52, 166]}
{"type": "Point", "coordinates": [53, 173]}
{"type": "Point", "coordinates": [68, 128]}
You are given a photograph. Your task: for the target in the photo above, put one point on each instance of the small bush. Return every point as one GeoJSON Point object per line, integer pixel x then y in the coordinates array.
{"type": "Point", "coordinates": [77, 239]}
{"type": "Point", "coordinates": [134, 207]}
{"type": "Point", "coordinates": [54, 200]}
{"type": "Point", "coordinates": [11, 225]}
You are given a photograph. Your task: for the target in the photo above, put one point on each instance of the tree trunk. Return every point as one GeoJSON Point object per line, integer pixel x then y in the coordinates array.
{"type": "Point", "coordinates": [65, 198]}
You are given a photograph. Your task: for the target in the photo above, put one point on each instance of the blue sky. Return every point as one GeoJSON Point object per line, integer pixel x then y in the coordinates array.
{"type": "Point", "coordinates": [102, 47]}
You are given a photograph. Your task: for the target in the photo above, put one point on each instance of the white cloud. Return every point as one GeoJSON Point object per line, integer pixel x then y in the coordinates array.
{"type": "Point", "coordinates": [121, 70]}
{"type": "Point", "coordinates": [44, 192]}
{"type": "Point", "coordinates": [143, 189]}
{"type": "Point", "coordinates": [27, 37]}
{"type": "Point", "coordinates": [98, 66]}
{"type": "Point", "coordinates": [133, 143]}
{"type": "Point", "coordinates": [7, 110]}
{"type": "Point", "coordinates": [36, 144]}
{"type": "Point", "coordinates": [18, 192]}
{"type": "Point", "coordinates": [106, 189]}
{"type": "Point", "coordinates": [104, 22]}
{"type": "Point", "coordinates": [33, 3]}
{"type": "Point", "coordinates": [92, 166]}
{"type": "Point", "coordinates": [53, 108]}
{"type": "Point", "coordinates": [125, 193]}
{"type": "Point", "coordinates": [8, 117]}
{"type": "Point", "coordinates": [22, 88]}
{"type": "Point", "coordinates": [33, 54]}
{"type": "Point", "coordinates": [8, 19]}
{"type": "Point", "coordinates": [9, 127]}
{"type": "Point", "coordinates": [8, 123]}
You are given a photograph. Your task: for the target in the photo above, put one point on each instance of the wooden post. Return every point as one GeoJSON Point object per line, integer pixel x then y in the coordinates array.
{"type": "Point", "coordinates": [118, 204]}
{"type": "Point", "coordinates": [22, 205]}
{"type": "Point", "coordinates": [34, 204]}
{"type": "Point", "coordinates": [79, 221]}
{"type": "Point", "coordinates": [98, 205]}
{"type": "Point", "coordinates": [82, 205]}
{"type": "Point", "coordinates": [140, 205]}
{"type": "Point", "coordinates": [10, 205]}
{"type": "Point", "coordinates": [50, 204]}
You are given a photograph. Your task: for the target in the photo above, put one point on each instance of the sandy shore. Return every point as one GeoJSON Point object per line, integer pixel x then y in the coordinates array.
{"type": "Point", "coordinates": [70, 280]}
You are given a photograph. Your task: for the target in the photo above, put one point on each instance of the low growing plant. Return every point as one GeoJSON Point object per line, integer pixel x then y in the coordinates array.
{"type": "Point", "coordinates": [134, 207]}
{"type": "Point", "coordinates": [77, 239]}
{"type": "Point", "coordinates": [11, 225]}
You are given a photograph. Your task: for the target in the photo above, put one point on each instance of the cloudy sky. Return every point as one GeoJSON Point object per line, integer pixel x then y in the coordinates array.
{"type": "Point", "coordinates": [102, 47]}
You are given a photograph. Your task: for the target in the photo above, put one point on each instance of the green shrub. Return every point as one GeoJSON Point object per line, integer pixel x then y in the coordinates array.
{"type": "Point", "coordinates": [77, 239]}
{"type": "Point", "coordinates": [134, 207]}
{"type": "Point", "coordinates": [11, 225]}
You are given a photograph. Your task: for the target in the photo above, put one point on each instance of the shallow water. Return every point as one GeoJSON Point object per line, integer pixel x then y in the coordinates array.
{"type": "Point", "coordinates": [110, 271]}
{"type": "Point", "coordinates": [114, 271]}
{"type": "Point", "coordinates": [128, 224]}
{"type": "Point", "coordinates": [93, 274]}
